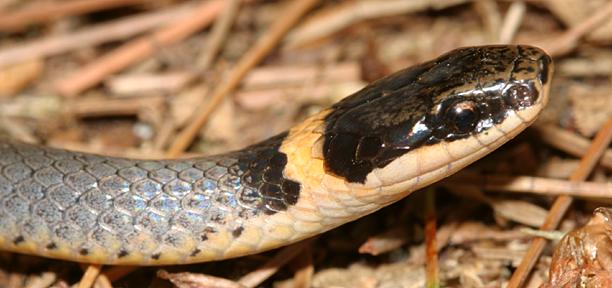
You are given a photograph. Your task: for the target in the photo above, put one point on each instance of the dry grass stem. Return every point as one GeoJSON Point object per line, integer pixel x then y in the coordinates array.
{"type": "Point", "coordinates": [139, 49]}
{"type": "Point", "coordinates": [259, 275]}
{"type": "Point", "coordinates": [528, 184]}
{"type": "Point", "coordinates": [186, 280]}
{"type": "Point", "coordinates": [560, 206]}
{"type": "Point", "coordinates": [264, 45]}
{"type": "Point", "coordinates": [338, 17]}
{"type": "Point", "coordinates": [218, 35]}
{"type": "Point", "coordinates": [568, 41]}
{"type": "Point", "coordinates": [148, 84]}
{"type": "Point", "coordinates": [91, 36]}
{"type": "Point", "coordinates": [304, 268]}
{"type": "Point", "coordinates": [571, 143]}
{"type": "Point", "coordinates": [89, 277]}
{"type": "Point", "coordinates": [512, 22]}
{"type": "Point", "coordinates": [41, 12]}
{"type": "Point", "coordinates": [385, 242]}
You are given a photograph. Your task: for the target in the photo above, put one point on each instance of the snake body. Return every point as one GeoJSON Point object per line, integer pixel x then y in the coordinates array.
{"type": "Point", "coordinates": [396, 135]}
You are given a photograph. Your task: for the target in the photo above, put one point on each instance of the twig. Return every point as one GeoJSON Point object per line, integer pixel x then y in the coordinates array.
{"type": "Point", "coordinates": [254, 278]}
{"type": "Point", "coordinates": [263, 46]}
{"type": "Point", "coordinates": [305, 269]}
{"type": "Point", "coordinates": [598, 65]}
{"type": "Point", "coordinates": [139, 49]}
{"type": "Point", "coordinates": [568, 41]}
{"type": "Point", "coordinates": [115, 273]}
{"type": "Point", "coordinates": [97, 107]}
{"type": "Point", "coordinates": [143, 84]}
{"type": "Point", "coordinates": [385, 242]}
{"type": "Point", "coordinates": [562, 203]}
{"type": "Point", "coordinates": [187, 279]}
{"type": "Point", "coordinates": [431, 247]}
{"type": "Point", "coordinates": [570, 143]}
{"type": "Point", "coordinates": [528, 184]}
{"type": "Point", "coordinates": [102, 281]}
{"type": "Point", "coordinates": [336, 18]}
{"type": "Point", "coordinates": [512, 21]}
{"type": "Point", "coordinates": [91, 273]}
{"type": "Point", "coordinates": [87, 37]}
{"type": "Point", "coordinates": [16, 20]}
{"type": "Point", "coordinates": [488, 10]}
{"type": "Point", "coordinates": [219, 34]}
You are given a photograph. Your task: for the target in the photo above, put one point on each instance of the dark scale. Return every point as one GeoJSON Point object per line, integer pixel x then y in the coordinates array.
{"type": "Point", "coordinates": [384, 121]}
{"type": "Point", "coordinates": [237, 232]}
{"type": "Point", "coordinates": [122, 253]}
{"type": "Point", "coordinates": [195, 252]}
{"type": "Point", "coordinates": [19, 239]}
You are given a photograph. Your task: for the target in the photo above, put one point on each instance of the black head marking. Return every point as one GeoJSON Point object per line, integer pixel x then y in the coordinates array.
{"type": "Point", "coordinates": [461, 93]}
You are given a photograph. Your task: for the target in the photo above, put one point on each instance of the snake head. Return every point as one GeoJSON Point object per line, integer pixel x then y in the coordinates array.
{"type": "Point", "coordinates": [428, 121]}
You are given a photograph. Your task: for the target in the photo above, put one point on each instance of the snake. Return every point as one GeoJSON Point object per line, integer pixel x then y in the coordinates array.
{"type": "Point", "coordinates": [397, 135]}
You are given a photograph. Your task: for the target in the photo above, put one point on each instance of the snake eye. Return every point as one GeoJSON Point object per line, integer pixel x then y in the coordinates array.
{"type": "Point", "coordinates": [520, 96]}
{"type": "Point", "coordinates": [463, 116]}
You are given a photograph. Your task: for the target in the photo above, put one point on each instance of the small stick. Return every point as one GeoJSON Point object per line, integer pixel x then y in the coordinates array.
{"type": "Point", "coordinates": [488, 10]}
{"type": "Point", "coordinates": [87, 37]}
{"type": "Point", "coordinates": [568, 41]}
{"type": "Point", "coordinates": [263, 46]}
{"type": "Point", "coordinates": [114, 273]}
{"type": "Point", "coordinates": [139, 49]}
{"type": "Point", "coordinates": [91, 273]}
{"type": "Point", "coordinates": [219, 34]}
{"type": "Point", "coordinates": [431, 245]}
{"type": "Point", "coordinates": [335, 18]}
{"type": "Point", "coordinates": [528, 184]}
{"type": "Point", "coordinates": [16, 20]}
{"type": "Point", "coordinates": [254, 278]}
{"type": "Point", "coordinates": [187, 279]}
{"type": "Point", "coordinates": [562, 203]}
{"type": "Point", "coordinates": [570, 143]}
{"type": "Point", "coordinates": [305, 269]}
{"type": "Point", "coordinates": [98, 107]}
{"type": "Point", "coordinates": [385, 242]}
{"type": "Point", "coordinates": [148, 83]}
{"type": "Point", "coordinates": [102, 281]}
{"type": "Point", "coordinates": [512, 21]}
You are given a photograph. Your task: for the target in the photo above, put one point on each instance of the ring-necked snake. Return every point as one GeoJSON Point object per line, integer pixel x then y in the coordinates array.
{"type": "Point", "coordinates": [396, 135]}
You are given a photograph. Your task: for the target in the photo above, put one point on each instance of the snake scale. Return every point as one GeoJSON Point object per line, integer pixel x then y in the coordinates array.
{"type": "Point", "coordinates": [396, 135]}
